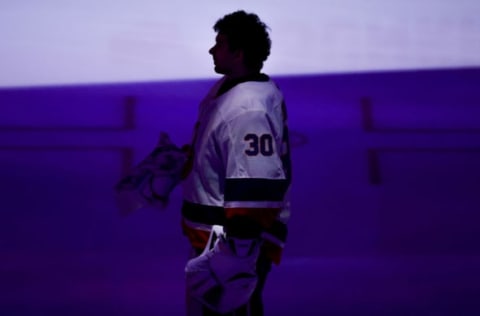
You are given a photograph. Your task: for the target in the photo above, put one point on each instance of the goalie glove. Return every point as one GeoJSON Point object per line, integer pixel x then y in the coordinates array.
{"type": "Point", "coordinates": [152, 180]}
{"type": "Point", "coordinates": [223, 278]}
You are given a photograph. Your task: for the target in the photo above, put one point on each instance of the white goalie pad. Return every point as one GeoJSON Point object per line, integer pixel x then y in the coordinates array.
{"type": "Point", "coordinates": [152, 180]}
{"type": "Point", "coordinates": [223, 278]}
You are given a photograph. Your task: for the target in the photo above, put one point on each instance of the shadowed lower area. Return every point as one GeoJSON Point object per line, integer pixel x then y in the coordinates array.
{"type": "Point", "coordinates": [108, 285]}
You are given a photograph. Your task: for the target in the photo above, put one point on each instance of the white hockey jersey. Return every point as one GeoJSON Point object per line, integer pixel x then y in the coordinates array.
{"type": "Point", "coordinates": [240, 160]}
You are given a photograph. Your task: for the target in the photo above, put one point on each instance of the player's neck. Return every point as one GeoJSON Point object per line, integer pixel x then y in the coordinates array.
{"type": "Point", "coordinates": [240, 73]}
{"type": "Point", "coordinates": [230, 82]}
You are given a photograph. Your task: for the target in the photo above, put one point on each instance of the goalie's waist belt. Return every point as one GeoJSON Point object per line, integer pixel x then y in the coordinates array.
{"type": "Point", "coordinates": [206, 215]}
{"type": "Point", "coordinates": [203, 214]}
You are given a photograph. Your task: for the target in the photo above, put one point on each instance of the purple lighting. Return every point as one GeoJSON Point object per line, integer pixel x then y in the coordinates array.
{"type": "Point", "coordinates": [384, 200]}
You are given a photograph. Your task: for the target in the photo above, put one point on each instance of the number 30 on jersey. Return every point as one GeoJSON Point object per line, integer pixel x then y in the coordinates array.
{"type": "Point", "coordinates": [259, 144]}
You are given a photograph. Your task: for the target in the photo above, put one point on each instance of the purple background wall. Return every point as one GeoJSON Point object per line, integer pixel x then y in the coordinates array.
{"type": "Point", "coordinates": [385, 203]}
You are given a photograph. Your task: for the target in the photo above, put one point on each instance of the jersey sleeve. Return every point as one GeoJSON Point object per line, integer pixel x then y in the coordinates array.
{"type": "Point", "coordinates": [255, 175]}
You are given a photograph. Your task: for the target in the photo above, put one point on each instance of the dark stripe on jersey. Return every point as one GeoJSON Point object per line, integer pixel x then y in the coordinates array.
{"type": "Point", "coordinates": [248, 189]}
{"type": "Point", "coordinates": [203, 214]}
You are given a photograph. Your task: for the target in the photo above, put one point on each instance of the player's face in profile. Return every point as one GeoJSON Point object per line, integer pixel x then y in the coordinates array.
{"type": "Point", "coordinates": [223, 58]}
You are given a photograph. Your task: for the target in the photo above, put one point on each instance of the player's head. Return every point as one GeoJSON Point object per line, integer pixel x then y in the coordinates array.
{"type": "Point", "coordinates": [245, 32]}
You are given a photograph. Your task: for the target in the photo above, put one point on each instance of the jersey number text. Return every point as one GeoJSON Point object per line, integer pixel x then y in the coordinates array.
{"type": "Point", "coordinates": [262, 144]}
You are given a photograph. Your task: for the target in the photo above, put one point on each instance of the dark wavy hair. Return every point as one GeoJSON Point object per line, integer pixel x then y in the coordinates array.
{"type": "Point", "coordinates": [246, 32]}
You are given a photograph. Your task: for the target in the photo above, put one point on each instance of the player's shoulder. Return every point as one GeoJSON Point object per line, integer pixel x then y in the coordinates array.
{"type": "Point", "coordinates": [258, 88]}
{"type": "Point", "coordinates": [249, 98]}
{"type": "Point", "coordinates": [255, 94]}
